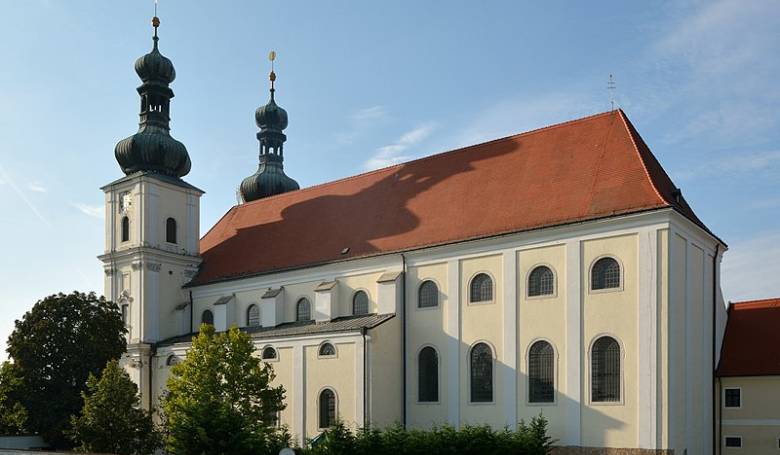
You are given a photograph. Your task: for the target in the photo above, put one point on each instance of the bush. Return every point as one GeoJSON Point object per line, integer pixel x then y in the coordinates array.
{"type": "Point", "coordinates": [531, 439]}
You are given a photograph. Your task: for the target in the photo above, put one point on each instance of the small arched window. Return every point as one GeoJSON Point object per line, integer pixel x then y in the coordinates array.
{"type": "Point", "coordinates": [326, 350]}
{"type": "Point", "coordinates": [253, 316]}
{"type": "Point", "coordinates": [541, 282]}
{"type": "Point", "coordinates": [125, 229]}
{"type": "Point", "coordinates": [327, 405]}
{"type": "Point", "coordinates": [541, 373]}
{"type": "Point", "coordinates": [126, 314]}
{"type": "Point", "coordinates": [171, 360]}
{"type": "Point", "coordinates": [360, 303]}
{"type": "Point", "coordinates": [605, 370]}
{"type": "Point", "coordinates": [428, 295]}
{"type": "Point", "coordinates": [605, 274]}
{"type": "Point", "coordinates": [207, 317]}
{"type": "Point", "coordinates": [269, 353]}
{"type": "Point", "coordinates": [428, 375]}
{"type": "Point", "coordinates": [481, 369]}
{"type": "Point", "coordinates": [303, 310]}
{"type": "Point", "coordinates": [170, 230]}
{"type": "Point", "coordinates": [481, 288]}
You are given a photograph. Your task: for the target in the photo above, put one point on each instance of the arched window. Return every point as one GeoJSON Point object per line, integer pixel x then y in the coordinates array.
{"type": "Point", "coordinates": [126, 314]}
{"type": "Point", "coordinates": [605, 274]}
{"type": "Point", "coordinates": [541, 281]}
{"type": "Point", "coordinates": [253, 316]}
{"type": "Point", "coordinates": [171, 360]}
{"type": "Point", "coordinates": [541, 373]}
{"type": "Point", "coordinates": [207, 317]}
{"type": "Point", "coordinates": [428, 295]}
{"type": "Point", "coordinates": [360, 303]}
{"type": "Point", "coordinates": [303, 310]}
{"type": "Point", "coordinates": [481, 288]}
{"type": "Point", "coordinates": [428, 375]}
{"type": "Point", "coordinates": [327, 408]}
{"type": "Point", "coordinates": [327, 350]}
{"type": "Point", "coordinates": [170, 230]}
{"type": "Point", "coordinates": [481, 368]}
{"type": "Point", "coordinates": [605, 370]}
{"type": "Point", "coordinates": [125, 229]}
{"type": "Point", "coordinates": [269, 353]}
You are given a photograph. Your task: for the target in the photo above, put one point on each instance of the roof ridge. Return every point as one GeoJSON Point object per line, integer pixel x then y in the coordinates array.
{"type": "Point", "coordinates": [429, 157]}
{"type": "Point", "coordinates": [624, 120]}
{"type": "Point", "coordinates": [758, 302]}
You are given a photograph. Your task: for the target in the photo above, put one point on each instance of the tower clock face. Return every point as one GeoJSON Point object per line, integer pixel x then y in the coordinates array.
{"type": "Point", "coordinates": [125, 202]}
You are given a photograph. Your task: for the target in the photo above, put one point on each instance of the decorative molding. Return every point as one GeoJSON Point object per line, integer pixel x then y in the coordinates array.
{"type": "Point", "coordinates": [136, 265]}
{"type": "Point", "coordinates": [109, 271]}
{"type": "Point", "coordinates": [154, 266]}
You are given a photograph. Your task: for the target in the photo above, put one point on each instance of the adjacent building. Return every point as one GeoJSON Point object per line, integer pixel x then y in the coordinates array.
{"type": "Point", "coordinates": [558, 271]}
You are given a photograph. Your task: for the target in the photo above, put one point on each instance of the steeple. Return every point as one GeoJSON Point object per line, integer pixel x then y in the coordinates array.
{"type": "Point", "coordinates": [270, 178]}
{"type": "Point", "coordinates": [152, 148]}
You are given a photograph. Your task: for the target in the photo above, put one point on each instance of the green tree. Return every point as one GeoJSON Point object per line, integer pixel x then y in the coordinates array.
{"type": "Point", "coordinates": [55, 347]}
{"type": "Point", "coordinates": [220, 400]}
{"type": "Point", "coordinates": [111, 420]}
{"type": "Point", "coordinates": [13, 416]}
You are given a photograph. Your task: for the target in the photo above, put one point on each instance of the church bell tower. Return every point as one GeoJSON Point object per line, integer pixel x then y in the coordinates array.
{"type": "Point", "coordinates": [152, 223]}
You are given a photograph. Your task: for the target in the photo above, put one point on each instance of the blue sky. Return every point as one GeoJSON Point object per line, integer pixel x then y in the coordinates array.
{"type": "Point", "coordinates": [371, 83]}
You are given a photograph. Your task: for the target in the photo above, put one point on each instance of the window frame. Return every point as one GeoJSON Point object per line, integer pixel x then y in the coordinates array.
{"type": "Point", "coordinates": [727, 437]}
{"type": "Point", "coordinates": [606, 290]}
{"type": "Point", "coordinates": [276, 354]}
{"type": "Point", "coordinates": [492, 348]}
{"type": "Point", "coordinates": [175, 231]}
{"type": "Point", "coordinates": [259, 315]}
{"type": "Point", "coordinates": [335, 407]}
{"type": "Point", "coordinates": [725, 406]}
{"type": "Point", "coordinates": [368, 302]}
{"type": "Point", "coordinates": [419, 292]}
{"type": "Point", "coordinates": [622, 381]}
{"type": "Point", "coordinates": [493, 286]}
{"type": "Point", "coordinates": [528, 374]}
{"type": "Point", "coordinates": [297, 305]}
{"type": "Point", "coordinates": [554, 293]}
{"type": "Point", "coordinates": [438, 376]}
{"type": "Point", "coordinates": [335, 354]}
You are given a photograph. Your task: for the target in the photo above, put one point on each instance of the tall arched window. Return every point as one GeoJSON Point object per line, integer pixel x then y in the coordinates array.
{"type": "Point", "coordinates": [605, 370]}
{"type": "Point", "coordinates": [207, 317]}
{"type": "Point", "coordinates": [481, 288]}
{"type": "Point", "coordinates": [303, 310]}
{"type": "Point", "coordinates": [327, 405]}
{"type": "Point", "coordinates": [541, 373]}
{"type": "Point", "coordinates": [125, 229]}
{"type": "Point", "coordinates": [481, 368]}
{"type": "Point", "coordinates": [360, 303]}
{"type": "Point", "coordinates": [428, 375]}
{"type": "Point", "coordinates": [170, 230]}
{"type": "Point", "coordinates": [605, 274]}
{"type": "Point", "coordinates": [126, 314]}
{"type": "Point", "coordinates": [541, 281]}
{"type": "Point", "coordinates": [269, 353]}
{"type": "Point", "coordinates": [428, 295]}
{"type": "Point", "coordinates": [253, 316]}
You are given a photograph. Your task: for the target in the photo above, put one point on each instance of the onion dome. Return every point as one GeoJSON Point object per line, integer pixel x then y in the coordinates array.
{"type": "Point", "coordinates": [152, 148]}
{"type": "Point", "coordinates": [270, 179]}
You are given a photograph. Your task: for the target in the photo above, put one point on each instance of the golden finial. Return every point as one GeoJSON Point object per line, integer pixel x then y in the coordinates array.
{"type": "Point", "coordinates": [272, 76]}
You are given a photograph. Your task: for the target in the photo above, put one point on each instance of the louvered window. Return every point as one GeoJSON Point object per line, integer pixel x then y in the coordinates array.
{"type": "Point", "coordinates": [541, 281]}
{"type": "Point", "coordinates": [481, 288]}
{"type": "Point", "coordinates": [327, 408]}
{"type": "Point", "coordinates": [481, 369]}
{"type": "Point", "coordinates": [541, 373]}
{"type": "Point", "coordinates": [303, 310]}
{"type": "Point", "coordinates": [253, 316]}
{"type": "Point", "coordinates": [428, 375]}
{"type": "Point", "coordinates": [429, 295]}
{"type": "Point", "coordinates": [360, 303]}
{"type": "Point", "coordinates": [605, 370]}
{"type": "Point", "coordinates": [605, 274]}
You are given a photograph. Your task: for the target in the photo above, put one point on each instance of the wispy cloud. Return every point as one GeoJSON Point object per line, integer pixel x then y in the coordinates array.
{"type": "Point", "coordinates": [369, 113]}
{"type": "Point", "coordinates": [36, 187]}
{"type": "Point", "coordinates": [764, 162]}
{"type": "Point", "coordinates": [95, 211]}
{"type": "Point", "coordinates": [395, 152]}
{"type": "Point", "coordinates": [360, 122]}
{"type": "Point", "coordinates": [5, 177]}
{"type": "Point", "coordinates": [750, 268]}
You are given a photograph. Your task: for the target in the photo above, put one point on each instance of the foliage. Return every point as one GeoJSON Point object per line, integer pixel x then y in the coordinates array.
{"type": "Point", "coordinates": [220, 400]}
{"type": "Point", "coordinates": [529, 439]}
{"type": "Point", "coordinates": [13, 415]}
{"type": "Point", "coordinates": [111, 420]}
{"type": "Point", "coordinates": [55, 347]}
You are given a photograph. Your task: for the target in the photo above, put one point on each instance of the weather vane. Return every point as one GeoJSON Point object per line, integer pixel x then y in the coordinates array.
{"type": "Point", "coordinates": [272, 76]}
{"type": "Point", "coordinates": [611, 86]}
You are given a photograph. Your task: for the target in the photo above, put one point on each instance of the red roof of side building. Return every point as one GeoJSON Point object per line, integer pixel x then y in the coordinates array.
{"type": "Point", "coordinates": [751, 345]}
{"type": "Point", "coordinates": [585, 169]}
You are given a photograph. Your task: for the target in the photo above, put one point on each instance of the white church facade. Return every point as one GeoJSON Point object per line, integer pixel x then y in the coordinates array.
{"type": "Point", "coordinates": [558, 271]}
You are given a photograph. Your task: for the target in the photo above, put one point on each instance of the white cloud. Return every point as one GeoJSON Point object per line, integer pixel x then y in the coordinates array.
{"type": "Point", "coordinates": [394, 153]}
{"type": "Point", "coordinates": [36, 187]}
{"type": "Point", "coordinates": [95, 211]}
{"type": "Point", "coordinates": [361, 121]}
{"type": "Point", "coordinates": [750, 268]}
{"type": "Point", "coordinates": [369, 113]}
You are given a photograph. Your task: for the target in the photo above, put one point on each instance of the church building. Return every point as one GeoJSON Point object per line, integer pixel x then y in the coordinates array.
{"type": "Point", "coordinates": [557, 271]}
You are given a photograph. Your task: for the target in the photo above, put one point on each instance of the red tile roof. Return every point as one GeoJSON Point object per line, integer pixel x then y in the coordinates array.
{"type": "Point", "coordinates": [751, 345]}
{"type": "Point", "coordinates": [585, 169]}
